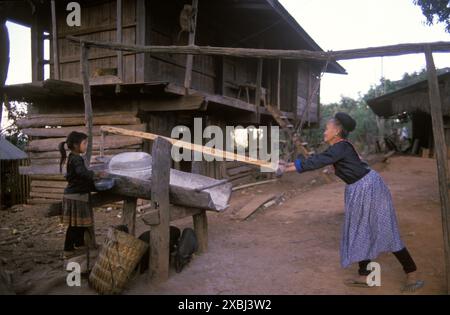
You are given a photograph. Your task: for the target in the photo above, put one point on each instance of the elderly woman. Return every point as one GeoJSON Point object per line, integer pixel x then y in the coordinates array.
{"type": "Point", "coordinates": [370, 226]}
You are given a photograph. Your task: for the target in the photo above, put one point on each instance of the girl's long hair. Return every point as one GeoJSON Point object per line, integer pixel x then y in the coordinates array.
{"type": "Point", "coordinates": [73, 139]}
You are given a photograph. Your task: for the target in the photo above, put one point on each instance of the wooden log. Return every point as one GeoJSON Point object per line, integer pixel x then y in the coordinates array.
{"type": "Point", "coordinates": [129, 214]}
{"type": "Point", "coordinates": [46, 195]}
{"type": "Point", "coordinates": [191, 146]}
{"type": "Point", "coordinates": [50, 190]}
{"type": "Point", "coordinates": [111, 142]}
{"type": "Point", "coordinates": [159, 234]}
{"type": "Point", "coordinates": [441, 155]}
{"type": "Point", "coordinates": [48, 183]}
{"type": "Point", "coordinates": [64, 131]}
{"type": "Point", "coordinates": [77, 120]}
{"type": "Point", "coordinates": [130, 112]}
{"type": "Point", "coordinates": [55, 177]}
{"type": "Point", "coordinates": [370, 52]}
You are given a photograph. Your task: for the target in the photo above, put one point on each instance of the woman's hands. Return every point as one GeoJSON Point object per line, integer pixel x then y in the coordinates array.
{"type": "Point", "coordinates": [100, 174]}
{"type": "Point", "coordinates": [284, 167]}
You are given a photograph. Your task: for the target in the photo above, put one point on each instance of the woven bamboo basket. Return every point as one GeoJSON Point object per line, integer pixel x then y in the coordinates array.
{"type": "Point", "coordinates": [118, 258]}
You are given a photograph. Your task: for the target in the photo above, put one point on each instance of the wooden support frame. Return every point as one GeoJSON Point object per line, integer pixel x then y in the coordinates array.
{"type": "Point", "coordinates": [441, 155]}
{"type": "Point", "coordinates": [37, 49]}
{"type": "Point", "coordinates": [259, 72]}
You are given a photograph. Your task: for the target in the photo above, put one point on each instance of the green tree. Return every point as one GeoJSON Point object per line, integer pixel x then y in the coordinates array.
{"type": "Point", "coordinates": [436, 11]}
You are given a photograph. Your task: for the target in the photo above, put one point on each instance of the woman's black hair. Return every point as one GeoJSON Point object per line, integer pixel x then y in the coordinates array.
{"type": "Point", "coordinates": [342, 133]}
{"type": "Point", "coordinates": [73, 139]}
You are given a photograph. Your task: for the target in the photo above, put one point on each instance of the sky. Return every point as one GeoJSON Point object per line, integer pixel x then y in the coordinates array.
{"type": "Point", "coordinates": [334, 25]}
{"type": "Point", "coordinates": [348, 24]}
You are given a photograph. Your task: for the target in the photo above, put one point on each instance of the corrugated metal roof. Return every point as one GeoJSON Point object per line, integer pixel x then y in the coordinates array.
{"type": "Point", "coordinates": [8, 151]}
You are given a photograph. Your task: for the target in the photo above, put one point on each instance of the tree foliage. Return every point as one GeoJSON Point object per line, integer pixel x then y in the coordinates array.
{"type": "Point", "coordinates": [436, 11]}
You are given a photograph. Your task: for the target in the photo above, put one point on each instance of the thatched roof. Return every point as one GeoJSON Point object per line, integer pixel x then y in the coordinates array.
{"type": "Point", "coordinates": [8, 151]}
{"type": "Point", "coordinates": [413, 98]}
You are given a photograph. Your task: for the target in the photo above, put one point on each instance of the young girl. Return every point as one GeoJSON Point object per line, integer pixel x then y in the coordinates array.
{"type": "Point", "coordinates": [77, 213]}
{"type": "Point", "coordinates": [370, 226]}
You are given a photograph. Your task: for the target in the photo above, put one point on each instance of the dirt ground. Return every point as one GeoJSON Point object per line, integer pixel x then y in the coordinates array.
{"type": "Point", "coordinates": [290, 248]}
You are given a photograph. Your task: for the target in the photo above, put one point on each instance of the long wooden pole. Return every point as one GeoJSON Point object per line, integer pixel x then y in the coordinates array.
{"type": "Point", "coordinates": [370, 52]}
{"type": "Point", "coordinates": [187, 145]}
{"type": "Point", "coordinates": [84, 65]}
{"type": "Point", "coordinates": [441, 155]}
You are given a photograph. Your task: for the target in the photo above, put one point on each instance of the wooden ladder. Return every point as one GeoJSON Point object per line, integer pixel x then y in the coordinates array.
{"type": "Point", "coordinates": [288, 127]}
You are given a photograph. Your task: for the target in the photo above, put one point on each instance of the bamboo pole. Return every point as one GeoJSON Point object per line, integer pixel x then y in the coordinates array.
{"type": "Point", "coordinates": [441, 155]}
{"type": "Point", "coordinates": [190, 146]}
{"type": "Point", "coordinates": [370, 52]}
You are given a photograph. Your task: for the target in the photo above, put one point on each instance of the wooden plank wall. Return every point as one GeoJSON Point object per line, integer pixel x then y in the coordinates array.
{"type": "Point", "coordinates": [46, 131]}
{"type": "Point", "coordinates": [98, 22]}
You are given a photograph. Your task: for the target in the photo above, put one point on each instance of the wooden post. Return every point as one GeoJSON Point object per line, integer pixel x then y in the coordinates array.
{"type": "Point", "coordinates": [279, 85]}
{"type": "Point", "coordinates": [119, 39]}
{"type": "Point", "coordinates": [143, 37]}
{"type": "Point", "coordinates": [190, 58]}
{"type": "Point", "coordinates": [258, 89]}
{"type": "Point", "coordinates": [84, 65]}
{"type": "Point", "coordinates": [37, 49]}
{"type": "Point", "coordinates": [441, 155]}
{"type": "Point", "coordinates": [200, 220]}
{"type": "Point", "coordinates": [55, 42]}
{"type": "Point", "coordinates": [129, 214]}
{"type": "Point", "coordinates": [159, 234]}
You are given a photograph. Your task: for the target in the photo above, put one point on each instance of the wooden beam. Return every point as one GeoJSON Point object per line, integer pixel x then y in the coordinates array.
{"type": "Point", "coordinates": [159, 234]}
{"type": "Point", "coordinates": [84, 65]}
{"type": "Point", "coordinates": [119, 38]}
{"type": "Point", "coordinates": [441, 155]}
{"type": "Point", "coordinates": [191, 41]}
{"type": "Point", "coordinates": [190, 146]}
{"type": "Point", "coordinates": [370, 52]}
{"type": "Point", "coordinates": [55, 42]}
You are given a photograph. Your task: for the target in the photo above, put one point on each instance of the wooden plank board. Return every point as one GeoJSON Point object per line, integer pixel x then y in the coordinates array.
{"type": "Point", "coordinates": [254, 204]}
{"type": "Point", "coordinates": [191, 146]}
